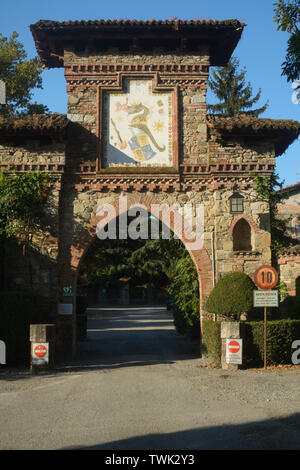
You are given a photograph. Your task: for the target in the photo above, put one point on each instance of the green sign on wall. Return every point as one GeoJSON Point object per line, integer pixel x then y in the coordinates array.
{"type": "Point", "coordinates": [67, 291]}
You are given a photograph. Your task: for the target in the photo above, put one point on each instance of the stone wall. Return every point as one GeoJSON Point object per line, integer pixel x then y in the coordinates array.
{"type": "Point", "coordinates": [211, 169]}
{"type": "Point", "coordinates": [38, 270]}
{"type": "Point", "coordinates": [289, 211]}
{"type": "Point", "coordinates": [289, 270]}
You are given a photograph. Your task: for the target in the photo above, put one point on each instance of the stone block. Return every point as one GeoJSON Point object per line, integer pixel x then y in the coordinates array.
{"type": "Point", "coordinates": [230, 330]}
{"type": "Point", "coordinates": [75, 117]}
{"type": "Point", "coordinates": [42, 333]}
{"type": "Point", "coordinates": [227, 245]}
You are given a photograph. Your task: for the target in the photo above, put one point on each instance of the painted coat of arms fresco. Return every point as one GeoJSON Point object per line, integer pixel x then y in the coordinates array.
{"type": "Point", "coordinates": [138, 127]}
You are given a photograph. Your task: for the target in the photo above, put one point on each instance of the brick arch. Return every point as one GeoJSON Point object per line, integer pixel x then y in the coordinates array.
{"type": "Point", "coordinates": [87, 234]}
{"type": "Point", "coordinates": [248, 219]}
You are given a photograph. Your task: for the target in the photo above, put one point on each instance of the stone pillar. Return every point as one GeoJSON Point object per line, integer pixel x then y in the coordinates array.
{"type": "Point", "coordinates": [43, 336]}
{"type": "Point", "coordinates": [229, 330]}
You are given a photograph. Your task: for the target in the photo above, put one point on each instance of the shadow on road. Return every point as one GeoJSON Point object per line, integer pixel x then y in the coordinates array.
{"type": "Point", "coordinates": [270, 434]}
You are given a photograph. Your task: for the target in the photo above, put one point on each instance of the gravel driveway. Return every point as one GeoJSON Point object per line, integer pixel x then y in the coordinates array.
{"type": "Point", "coordinates": [138, 384]}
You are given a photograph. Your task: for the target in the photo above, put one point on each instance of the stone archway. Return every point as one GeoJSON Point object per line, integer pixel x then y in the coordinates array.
{"type": "Point", "coordinates": [86, 235]}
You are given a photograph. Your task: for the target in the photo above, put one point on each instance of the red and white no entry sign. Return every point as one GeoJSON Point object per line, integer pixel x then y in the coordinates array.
{"type": "Point", "coordinates": [40, 350]}
{"type": "Point", "coordinates": [234, 351]}
{"type": "Point", "coordinates": [234, 347]}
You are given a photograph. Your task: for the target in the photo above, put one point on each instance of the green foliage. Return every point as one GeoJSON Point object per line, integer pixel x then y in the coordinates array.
{"type": "Point", "coordinates": [280, 335]}
{"type": "Point", "coordinates": [20, 76]}
{"type": "Point", "coordinates": [287, 17]}
{"type": "Point", "coordinates": [22, 198]}
{"type": "Point", "coordinates": [138, 292]}
{"type": "Point", "coordinates": [160, 262]}
{"type": "Point", "coordinates": [18, 311]}
{"type": "Point", "coordinates": [185, 288]}
{"type": "Point", "coordinates": [282, 290]}
{"type": "Point", "coordinates": [144, 261]}
{"type": "Point", "coordinates": [267, 190]}
{"type": "Point", "coordinates": [212, 340]}
{"type": "Point", "coordinates": [290, 308]}
{"type": "Point", "coordinates": [232, 296]}
{"type": "Point", "coordinates": [235, 96]}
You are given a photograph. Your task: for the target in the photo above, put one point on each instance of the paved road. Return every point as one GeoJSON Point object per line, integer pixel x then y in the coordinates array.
{"type": "Point", "coordinates": [137, 384]}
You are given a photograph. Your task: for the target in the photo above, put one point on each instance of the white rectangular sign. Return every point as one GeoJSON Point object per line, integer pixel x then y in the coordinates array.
{"type": "Point", "coordinates": [65, 309]}
{"type": "Point", "coordinates": [39, 353]}
{"type": "Point", "coordinates": [265, 298]}
{"type": "Point", "coordinates": [234, 349]}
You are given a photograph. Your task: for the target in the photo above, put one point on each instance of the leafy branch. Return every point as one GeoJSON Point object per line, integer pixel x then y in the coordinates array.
{"type": "Point", "coordinates": [267, 189]}
{"type": "Point", "coordinates": [22, 199]}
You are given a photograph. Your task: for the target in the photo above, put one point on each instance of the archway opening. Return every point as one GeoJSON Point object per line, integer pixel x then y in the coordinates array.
{"type": "Point", "coordinates": [138, 289]}
{"type": "Point", "coordinates": [242, 236]}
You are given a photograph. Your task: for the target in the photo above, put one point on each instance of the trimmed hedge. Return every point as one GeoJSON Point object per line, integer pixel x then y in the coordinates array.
{"type": "Point", "coordinates": [17, 311]}
{"type": "Point", "coordinates": [280, 336]}
{"type": "Point", "coordinates": [212, 340]}
{"type": "Point", "coordinates": [231, 296]}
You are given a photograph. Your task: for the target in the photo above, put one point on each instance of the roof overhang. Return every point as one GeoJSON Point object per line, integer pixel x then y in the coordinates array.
{"type": "Point", "coordinates": [52, 37]}
{"type": "Point", "coordinates": [281, 132]}
{"type": "Point", "coordinates": [288, 190]}
{"type": "Point", "coordinates": [35, 125]}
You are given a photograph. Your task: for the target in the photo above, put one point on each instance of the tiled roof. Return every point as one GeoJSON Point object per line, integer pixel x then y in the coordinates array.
{"type": "Point", "coordinates": [290, 251]}
{"type": "Point", "coordinates": [175, 23]}
{"type": "Point", "coordinates": [35, 124]}
{"type": "Point", "coordinates": [51, 36]}
{"type": "Point", "coordinates": [282, 131]}
{"type": "Point", "coordinates": [290, 189]}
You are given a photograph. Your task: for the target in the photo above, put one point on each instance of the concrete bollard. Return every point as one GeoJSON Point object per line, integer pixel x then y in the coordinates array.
{"type": "Point", "coordinates": [42, 338]}
{"type": "Point", "coordinates": [230, 330]}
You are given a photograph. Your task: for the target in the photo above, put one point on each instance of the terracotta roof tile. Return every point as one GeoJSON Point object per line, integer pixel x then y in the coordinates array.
{"type": "Point", "coordinates": [51, 36]}
{"type": "Point", "coordinates": [35, 124]}
{"type": "Point", "coordinates": [282, 131]}
{"type": "Point", "coordinates": [290, 189]}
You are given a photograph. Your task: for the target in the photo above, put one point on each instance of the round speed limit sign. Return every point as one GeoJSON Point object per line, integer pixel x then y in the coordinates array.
{"type": "Point", "coordinates": [265, 277]}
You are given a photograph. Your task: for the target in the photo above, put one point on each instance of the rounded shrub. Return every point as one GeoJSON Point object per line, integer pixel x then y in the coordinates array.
{"type": "Point", "coordinates": [232, 296]}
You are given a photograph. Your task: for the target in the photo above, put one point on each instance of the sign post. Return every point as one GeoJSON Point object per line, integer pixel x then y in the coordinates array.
{"type": "Point", "coordinates": [265, 277]}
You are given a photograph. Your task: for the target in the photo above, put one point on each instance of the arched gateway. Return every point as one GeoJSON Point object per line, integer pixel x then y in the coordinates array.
{"type": "Point", "coordinates": [137, 127]}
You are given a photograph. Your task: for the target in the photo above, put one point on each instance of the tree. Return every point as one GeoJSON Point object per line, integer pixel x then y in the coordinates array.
{"type": "Point", "coordinates": [287, 17]}
{"type": "Point", "coordinates": [185, 289]}
{"type": "Point", "coordinates": [149, 261]}
{"type": "Point", "coordinates": [22, 199]}
{"type": "Point", "coordinates": [20, 76]}
{"type": "Point", "coordinates": [267, 189]}
{"type": "Point", "coordinates": [228, 84]}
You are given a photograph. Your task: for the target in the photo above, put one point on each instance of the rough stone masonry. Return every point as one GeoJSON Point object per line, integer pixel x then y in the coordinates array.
{"type": "Point", "coordinates": [209, 160]}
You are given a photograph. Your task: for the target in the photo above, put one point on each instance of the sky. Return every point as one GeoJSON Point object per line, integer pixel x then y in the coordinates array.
{"type": "Point", "coordinates": [261, 49]}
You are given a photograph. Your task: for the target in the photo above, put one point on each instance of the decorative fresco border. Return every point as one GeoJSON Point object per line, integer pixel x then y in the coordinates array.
{"type": "Point", "coordinates": [119, 87]}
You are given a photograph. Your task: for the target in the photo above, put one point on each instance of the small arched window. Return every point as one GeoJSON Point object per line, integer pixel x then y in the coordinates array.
{"type": "Point", "coordinates": [242, 236]}
{"type": "Point", "coordinates": [236, 203]}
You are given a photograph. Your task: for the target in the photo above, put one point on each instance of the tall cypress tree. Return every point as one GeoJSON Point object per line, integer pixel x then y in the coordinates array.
{"type": "Point", "coordinates": [229, 86]}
